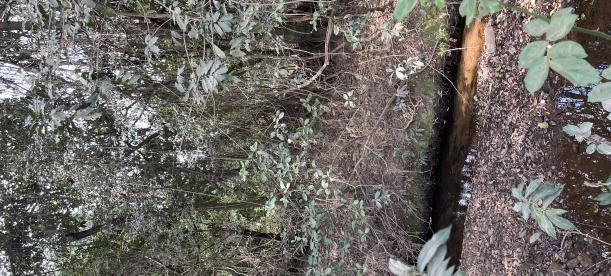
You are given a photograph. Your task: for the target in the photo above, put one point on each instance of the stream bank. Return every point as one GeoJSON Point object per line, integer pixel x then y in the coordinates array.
{"type": "Point", "coordinates": [508, 147]}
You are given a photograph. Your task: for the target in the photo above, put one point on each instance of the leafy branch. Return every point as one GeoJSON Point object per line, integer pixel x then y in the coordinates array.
{"type": "Point", "coordinates": [535, 201]}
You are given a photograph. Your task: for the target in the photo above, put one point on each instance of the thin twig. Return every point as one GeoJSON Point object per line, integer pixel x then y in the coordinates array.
{"type": "Point", "coordinates": [590, 237]}
{"type": "Point", "coordinates": [388, 104]}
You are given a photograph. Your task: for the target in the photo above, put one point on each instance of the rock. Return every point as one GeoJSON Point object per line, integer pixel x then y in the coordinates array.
{"type": "Point", "coordinates": [572, 263]}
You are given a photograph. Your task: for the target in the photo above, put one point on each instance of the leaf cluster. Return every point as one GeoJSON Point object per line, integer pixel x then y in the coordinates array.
{"type": "Point", "coordinates": [535, 200]}
{"type": "Point", "coordinates": [566, 58]}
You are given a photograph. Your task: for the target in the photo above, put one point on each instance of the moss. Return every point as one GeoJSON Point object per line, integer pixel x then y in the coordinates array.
{"type": "Point", "coordinates": [422, 131]}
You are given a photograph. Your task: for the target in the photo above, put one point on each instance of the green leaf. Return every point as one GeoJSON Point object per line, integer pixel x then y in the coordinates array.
{"type": "Point", "coordinates": [437, 262]}
{"type": "Point", "coordinates": [517, 191]}
{"type": "Point", "coordinates": [449, 271]}
{"type": "Point", "coordinates": [606, 105]}
{"type": "Point", "coordinates": [603, 198]}
{"type": "Point", "coordinates": [557, 212]}
{"type": "Point", "coordinates": [600, 93]}
{"type": "Point", "coordinates": [439, 268]}
{"type": "Point", "coordinates": [547, 200]}
{"type": "Point", "coordinates": [604, 149]}
{"type": "Point", "coordinates": [468, 9]}
{"type": "Point", "coordinates": [543, 125]}
{"type": "Point", "coordinates": [567, 48]}
{"type": "Point", "coordinates": [560, 222]}
{"type": "Point", "coordinates": [561, 24]}
{"type": "Point", "coordinates": [536, 27]}
{"type": "Point", "coordinates": [518, 206]}
{"type": "Point", "coordinates": [403, 8]}
{"type": "Point", "coordinates": [535, 237]}
{"type": "Point", "coordinates": [536, 75]}
{"type": "Point", "coordinates": [586, 126]}
{"type": "Point", "coordinates": [523, 208]}
{"type": "Point", "coordinates": [399, 268]}
{"type": "Point", "coordinates": [217, 51]}
{"type": "Point", "coordinates": [431, 246]}
{"type": "Point", "coordinates": [530, 52]}
{"type": "Point", "coordinates": [571, 129]}
{"type": "Point", "coordinates": [591, 148]}
{"type": "Point", "coordinates": [537, 212]}
{"type": "Point", "coordinates": [581, 132]}
{"type": "Point", "coordinates": [546, 225]}
{"type": "Point", "coordinates": [533, 186]}
{"type": "Point", "coordinates": [487, 7]}
{"type": "Point", "coordinates": [578, 71]}
{"type": "Point", "coordinates": [546, 191]}
{"type": "Point", "coordinates": [607, 73]}
{"type": "Point", "coordinates": [105, 11]}
{"type": "Point", "coordinates": [440, 3]}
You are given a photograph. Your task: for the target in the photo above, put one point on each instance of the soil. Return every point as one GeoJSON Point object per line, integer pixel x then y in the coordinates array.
{"type": "Point", "coordinates": [509, 147]}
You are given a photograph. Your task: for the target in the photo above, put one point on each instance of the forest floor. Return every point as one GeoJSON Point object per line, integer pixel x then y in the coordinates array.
{"type": "Point", "coordinates": [386, 144]}
{"type": "Point", "coordinates": [509, 147]}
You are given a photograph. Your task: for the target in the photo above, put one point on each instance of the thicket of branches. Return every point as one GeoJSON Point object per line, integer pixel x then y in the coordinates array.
{"type": "Point", "coordinates": [168, 137]}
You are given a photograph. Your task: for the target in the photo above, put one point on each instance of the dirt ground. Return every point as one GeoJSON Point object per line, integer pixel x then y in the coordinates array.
{"type": "Point", "coordinates": [509, 147]}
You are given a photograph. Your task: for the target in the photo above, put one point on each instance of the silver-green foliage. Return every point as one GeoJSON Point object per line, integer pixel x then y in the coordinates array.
{"type": "Point", "coordinates": [218, 22]}
{"type": "Point", "coordinates": [431, 260]}
{"type": "Point", "coordinates": [400, 105]}
{"type": "Point", "coordinates": [535, 200]}
{"type": "Point", "coordinates": [150, 49]}
{"type": "Point", "coordinates": [211, 73]}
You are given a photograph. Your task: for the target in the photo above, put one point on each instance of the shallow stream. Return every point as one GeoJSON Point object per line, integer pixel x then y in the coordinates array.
{"type": "Point", "coordinates": [574, 167]}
